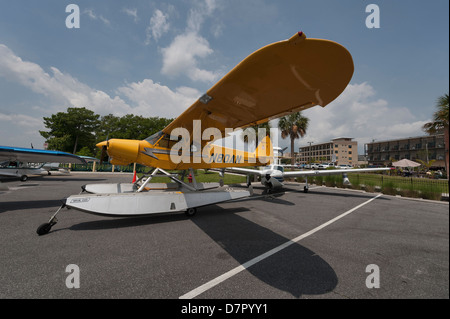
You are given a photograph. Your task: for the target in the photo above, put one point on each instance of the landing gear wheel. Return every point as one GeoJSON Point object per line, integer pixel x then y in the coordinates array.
{"type": "Point", "coordinates": [44, 229]}
{"type": "Point", "coordinates": [305, 189]}
{"type": "Point", "coordinates": [23, 178]}
{"type": "Point", "coordinates": [191, 211]}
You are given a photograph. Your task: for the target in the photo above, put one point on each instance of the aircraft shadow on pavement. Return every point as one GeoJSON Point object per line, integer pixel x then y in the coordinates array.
{"type": "Point", "coordinates": [33, 179]}
{"type": "Point", "coordinates": [277, 200]}
{"type": "Point", "coordinates": [274, 198]}
{"type": "Point", "coordinates": [33, 204]}
{"type": "Point", "coordinates": [296, 269]}
{"type": "Point", "coordinates": [347, 194]}
{"type": "Point", "coordinates": [67, 178]}
{"type": "Point", "coordinates": [332, 191]}
{"type": "Point", "coordinates": [124, 222]}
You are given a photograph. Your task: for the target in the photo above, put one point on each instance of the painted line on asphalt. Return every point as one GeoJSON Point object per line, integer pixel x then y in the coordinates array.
{"type": "Point", "coordinates": [199, 290]}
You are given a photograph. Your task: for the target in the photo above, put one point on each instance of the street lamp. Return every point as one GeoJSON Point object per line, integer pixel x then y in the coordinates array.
{"type": "Point", "coordinates": [310, 151]}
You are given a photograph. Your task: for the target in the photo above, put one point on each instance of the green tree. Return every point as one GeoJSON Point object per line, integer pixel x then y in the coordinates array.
{"type": "Point", "coordinates": [133, 127]}
{"type": "Point", "coordinates": [293, 126]}
{"type": "Point", "coordinates": [250, 138]}
{"type": "Point", "coordinates": [78, 130]}
{"type": "Point", "coordinates": [85, 151]}
{"type": "Point", "coordinates": [72, 130]}
{"type": "Point", "coordinates": [129, 126]}
{"type": "Point", "coordinates": [440, 122]}
{"type": "Point", "coordinates": [440, 117]}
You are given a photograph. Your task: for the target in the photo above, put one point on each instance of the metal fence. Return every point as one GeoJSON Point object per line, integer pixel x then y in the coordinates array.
{"type": "Point", "coordinates": [398, 182]}
{"type": "Point", "coordinates": [107, 168]}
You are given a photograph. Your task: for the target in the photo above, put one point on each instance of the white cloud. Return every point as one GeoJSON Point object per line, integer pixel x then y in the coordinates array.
{"type": "Point", "coordinates": [24, 121]}
{"type": "Point", "coordinates": [132, 13]}
{"type": "Point", "coordinates": [90, 13]}
{"type": "Point", "coordinates": [159, 25]}
{"type": "Point", "coordinates": [147, 98]}
{"type": "Point", "coordinates": [153, 99]}
{"type": "Point", "coordinates": [359, 114]}
{"type": "Point", "coordinates": [182, 56]}
{"type": "Point", "coordinates": [62, 89]}
{"type": "Point", "coordinates": [20, 130]}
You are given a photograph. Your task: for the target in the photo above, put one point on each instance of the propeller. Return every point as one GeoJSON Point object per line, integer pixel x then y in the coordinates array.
{"type": "Point", "coordinates": [104, 150]}
{"type": "Point", "coordinates": [104, 153]}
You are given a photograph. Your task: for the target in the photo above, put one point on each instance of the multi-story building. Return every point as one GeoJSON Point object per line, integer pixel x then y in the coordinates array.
{"type": "Point", "coordinates": [425, 148]}
{"type": "Point", "coordinates": [341, 151]}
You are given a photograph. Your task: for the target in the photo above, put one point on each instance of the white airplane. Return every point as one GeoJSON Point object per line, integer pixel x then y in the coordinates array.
{"type": "Point", "coordinates": [21, 162]}
{"type": "Point", "coordinates": [272, 176]}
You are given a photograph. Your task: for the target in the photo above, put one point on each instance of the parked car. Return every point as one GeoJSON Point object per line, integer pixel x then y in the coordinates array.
{"type": "Point", "coordinates": [323, 166]}
{"type": "Point", "coordinates": [343, 166]}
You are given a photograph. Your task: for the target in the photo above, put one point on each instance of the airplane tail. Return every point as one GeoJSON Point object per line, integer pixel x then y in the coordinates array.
{"type": "Point", "coordinates": [264, 150]}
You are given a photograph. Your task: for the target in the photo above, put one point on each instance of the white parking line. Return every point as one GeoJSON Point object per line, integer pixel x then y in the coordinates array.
{"type": "Point", "coordinates": [197, 291]}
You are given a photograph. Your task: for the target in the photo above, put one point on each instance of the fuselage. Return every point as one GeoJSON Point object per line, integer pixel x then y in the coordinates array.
{"type": "Point", "coordinates": [272, 176]}
{"type": "Point", "coordinates": [161, 151]}
{"type": "Point", "coordinates": [21, 170]}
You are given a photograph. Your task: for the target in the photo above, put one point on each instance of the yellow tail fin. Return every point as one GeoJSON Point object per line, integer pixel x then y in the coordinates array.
{"type": "Point", "coordinates": [264, 151]}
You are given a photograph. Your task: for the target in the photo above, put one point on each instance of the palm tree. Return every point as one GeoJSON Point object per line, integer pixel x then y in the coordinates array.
{"type": "Point", "coordinates": [250, 138]}
{"type": "Point", "coordinates": [440, 122]}
{"type": "Point", "coordinates": [294, 126]}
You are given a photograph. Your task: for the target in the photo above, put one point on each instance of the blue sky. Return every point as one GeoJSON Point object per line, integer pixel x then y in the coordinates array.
{"type": "Point", "coordinates": [155, 58]}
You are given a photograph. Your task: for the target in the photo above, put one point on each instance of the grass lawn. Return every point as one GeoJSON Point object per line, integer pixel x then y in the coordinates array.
{"type": "Point", "coordinates": [203, 177]}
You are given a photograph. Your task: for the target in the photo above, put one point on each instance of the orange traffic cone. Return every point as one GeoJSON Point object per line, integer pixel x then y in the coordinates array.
{"type": "Point", "coordinates": [134, 177]}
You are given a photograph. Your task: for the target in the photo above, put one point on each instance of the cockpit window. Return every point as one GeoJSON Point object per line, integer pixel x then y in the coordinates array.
{"type": "Point", "coordinates": [280, 168]}
{"type": "Point", "coordinates": [154, 138]}
{"type": "Point", "coordinates": [162, 140]}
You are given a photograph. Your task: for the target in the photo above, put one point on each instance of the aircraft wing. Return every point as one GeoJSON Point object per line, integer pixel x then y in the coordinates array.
{"type": "Point", "coordinates": [8, 173]}
{"type": "Point", "coordinates": [90, 159]}
{"type": "Point", "coordinates": [249, 171]}
{"type": "Point", "coordinates": [333, 172]}
{"type": "Point", "coordinates": [246, 171]}
{"type": "Point", "coordinates": [31, 155]}
{"type": "Point", "coordinates": [278, 79]}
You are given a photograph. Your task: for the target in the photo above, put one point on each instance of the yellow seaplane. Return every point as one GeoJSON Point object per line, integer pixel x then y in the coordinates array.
{"type": "Point", "coordinates": [276, 80]}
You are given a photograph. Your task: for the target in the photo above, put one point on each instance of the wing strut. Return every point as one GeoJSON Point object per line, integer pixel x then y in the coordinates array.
{"type": "Point", "coordinates": [45, 228]}
{"type": "Point", "coordinates": [176, 180]}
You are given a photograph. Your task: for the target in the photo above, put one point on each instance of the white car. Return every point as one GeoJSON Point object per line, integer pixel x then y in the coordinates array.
{"type": "Point", "coordinates": [343, 166]}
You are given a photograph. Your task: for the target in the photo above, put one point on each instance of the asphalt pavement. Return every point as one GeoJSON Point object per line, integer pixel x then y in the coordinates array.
{"type": "Point", "coordinates": [328, 243]}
